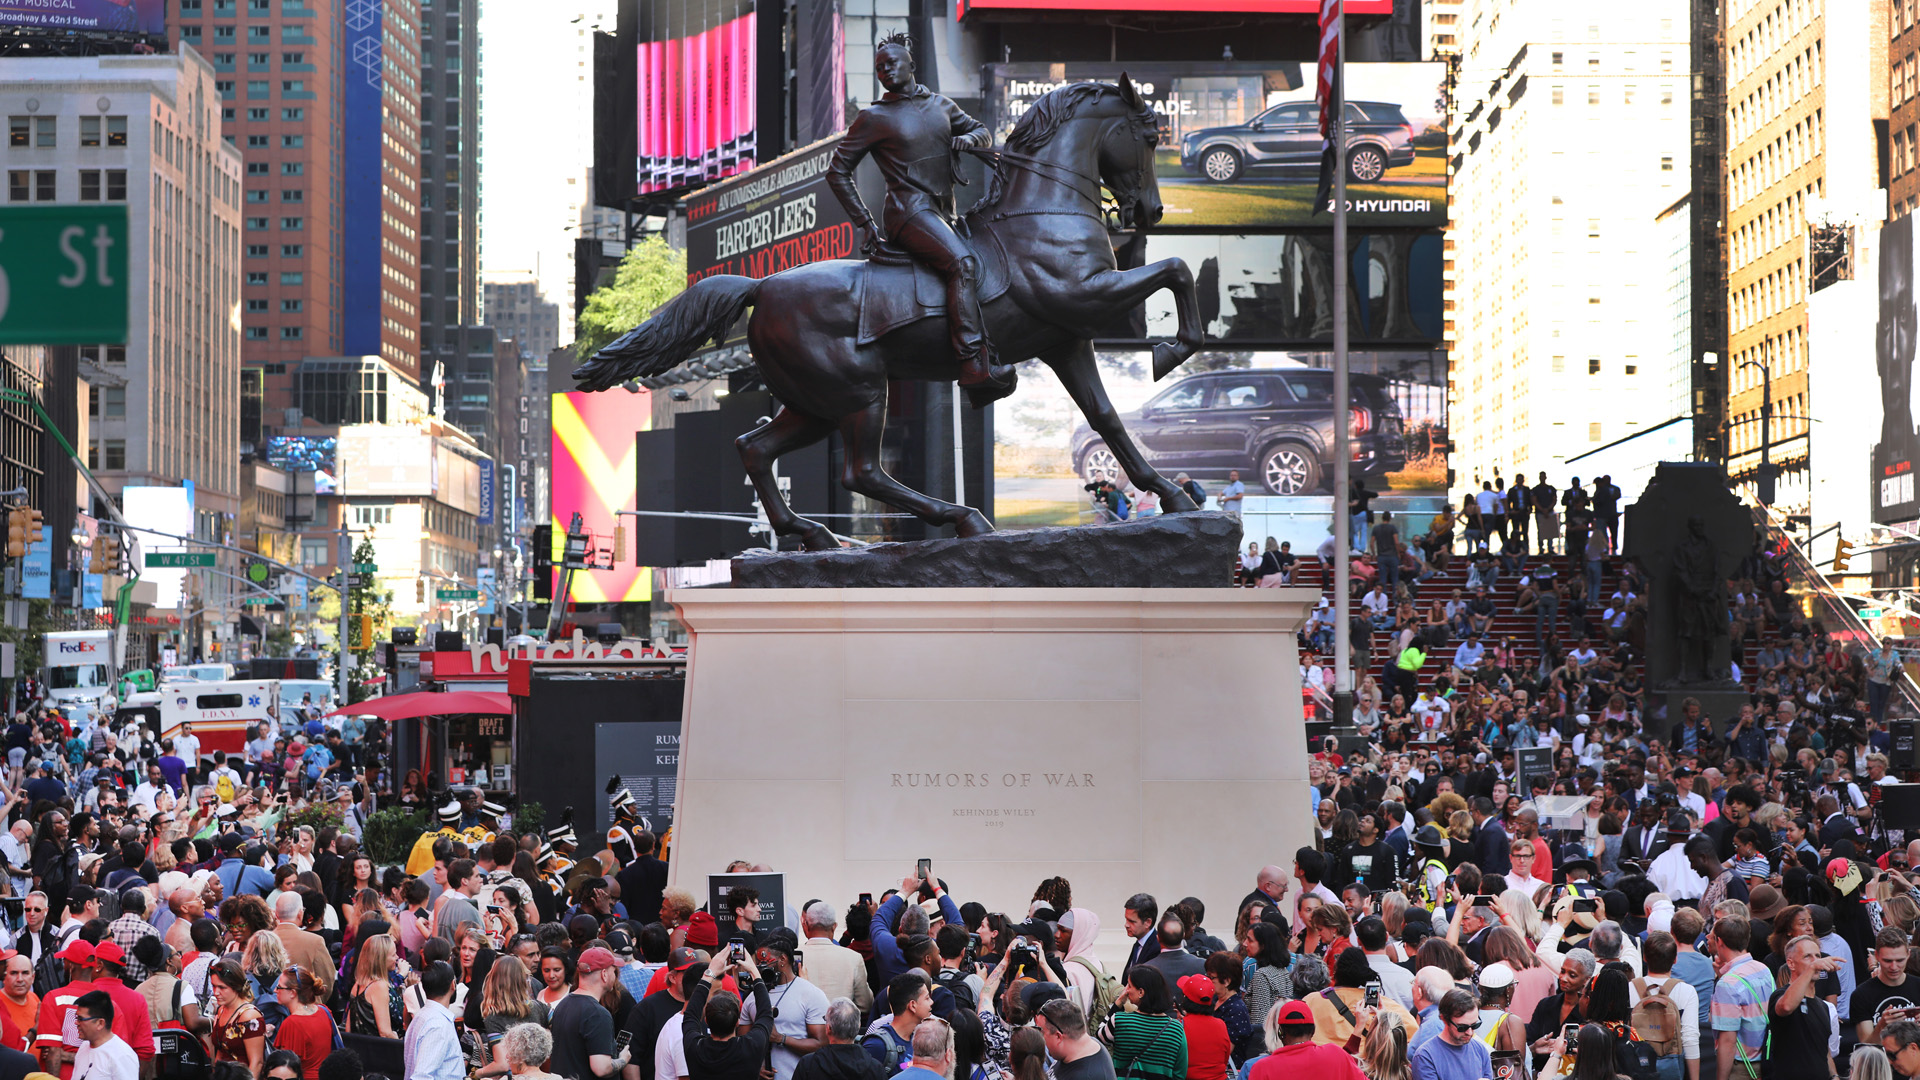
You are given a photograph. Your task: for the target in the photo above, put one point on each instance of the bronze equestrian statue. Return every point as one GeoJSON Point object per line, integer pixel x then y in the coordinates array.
{"type": "Point", "coordinates": [1045, 277]}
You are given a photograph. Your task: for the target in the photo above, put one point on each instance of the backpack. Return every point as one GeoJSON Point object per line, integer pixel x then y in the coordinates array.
{"type": "Point", "coordinates": [1656, 1018]}
{"type": "Point", "coordinates": [956, 983]}
{"type": "Point", "coordinates": [894, 1052]}
{"type": "Point", "coordinates": [1636, 1060]}
{"type": "Point", "coordinates": [224, 788]}
{"type": "Point", "coordinates": [1106, 991]}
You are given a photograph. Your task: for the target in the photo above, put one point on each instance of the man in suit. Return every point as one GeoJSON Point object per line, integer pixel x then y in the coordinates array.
{"type": "Point", "coordinates": [1489, 844]}
{"type": "Point", "coordinates": [1142, 911]}
{"type": "Point", "coordinates": [1835, 825]}
{"type": "Point", "coordinates": [303, 947]}
{"type": "Point", "coordinates": [1645, 839]}
{"type": "Point", "coordinates": [644, 880]}
{"type": "Point", "coordinates": [1173, 960]}
{"type": "Point", "coordinates": [1397, 837]}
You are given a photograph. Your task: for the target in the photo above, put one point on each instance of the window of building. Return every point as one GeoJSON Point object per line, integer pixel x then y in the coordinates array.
{"type": "Point", "coordinates": [89, 185]}
{"type": "Point", "coordinates": [113, 454]}
{"type": "Point", "coordinates": [1593, 365]}
{"type": "Point", "coordinates": [190, 34]}
{"type": "Point", "coordinates": [293, 58]}
{"type": "Point", "coordinates": [258, 61]}
{"type": "Point", "coordinates": [1559, 365]}
{"type": "Point", "coordinates": [291, 277]}
{"type": "Point", "coordinates": [256, 333]}
{"type": "Point", "coordinates": [1593, 431]}
{"type": "Point", "coordinates": [292, 333]}
{"type": "Point", "coordinates": [189, 9]}
{"type": "Point", "coordinates": [256, 168]}
{"type": "Point", "coordinates": [256, 196]}
{"type": "Point", "coordinates": [293, 114]}
{"type": "Point", "coordinates": [256, 277]}
{"type": "Point", "coordinates": [293, 86]}
{"type": "Point", "coordinates": [90, 131]}
{"type": "Point", "coordinates": [224, 87]}
{"type": "Point", "coordinates": [223, 34]}
{"type": "Point", "coordinates": [292, 142]}
{"type": "Point", "coordinates": [1593, 95]}
{"type": "Point", "coordinates": [256, 114]}
{"type": "Point", "coordinates": [258, 33]}
{"type": "Point", "coordinates": [257, 306]}
{"type": "Point", "coordinates": [257, 142]}
{"type": "Point", "coordinates": [293, 195]}
{"type": "Point", "coordinates": [292, 168]}
{"type": "Point", "coordinates": [293, 223]}
{"type": "Point", "coordinates": [256, 88]}
{"type": "Point", "coordinates": [1593, 228]}
{"type": "Point", "coordinates": [1559, 58]}
{"type": "Point", "coordinates": [291, 307]}
{"type": "Point", "coordinates": [291, 251]}
{"type": "Point", "coordinates": [257, 251]}
{"type": "Point", "coordinates": [373, 515]}
{"type": "Point", "coordinates": [1628, 92]}
{"type": "Point", "coordinates": [1666, 95]}
{"type": "Point", "coordinates": [1666, 163]}
{"type": "Point", "coordinates": [257, 224]}
{"type": "Point", "coordinates": [36, 131]}
{"type": "Point", "coordinates": [38, 181]}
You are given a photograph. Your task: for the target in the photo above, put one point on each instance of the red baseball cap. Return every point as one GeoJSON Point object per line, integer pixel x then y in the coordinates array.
{"type": "Point", "coordinates": [111, 952]}
{"type": "Point", "coordinates": [78, 952]}
{"type": "Point", "coordinates": [1198, 988]}
{"type": "Point", "coordinates": [597, 959]}
{"type": "Point", "coordinates": [1294, 1012]}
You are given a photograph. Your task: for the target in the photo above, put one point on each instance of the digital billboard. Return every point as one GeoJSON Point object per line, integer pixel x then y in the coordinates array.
{"type": "Point", "coordinates": [778, 216]}
{"type": "Point", "coordinates": [1893, 498]}
{"type": "Point", "coordinates": [110, 16]}
{"type": "Point", "coordinates": [594, 474]}
{"type": "Point", "coordinates": [168, 512]}
{"type": "Point", "coordinates": [380, 460]}
{"type": "Point", "coordinates": [1242, 143]}
{"type": "Point", "coordinates": [695, 92]}
{"type": "Point", "coordinates": [1244, 7]}
{"type": "Point", "coordinates": [1266, 414]}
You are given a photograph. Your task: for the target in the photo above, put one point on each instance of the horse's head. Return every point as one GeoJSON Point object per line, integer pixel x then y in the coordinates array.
{"type": "Point", "coordinates": [1126, 159]}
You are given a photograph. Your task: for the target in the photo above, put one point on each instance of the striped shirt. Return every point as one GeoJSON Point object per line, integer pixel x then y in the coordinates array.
{"type": "Point", "coordinates": [1740, 1002]}
{"type": "Point", "coordinates": [1148, 1045]}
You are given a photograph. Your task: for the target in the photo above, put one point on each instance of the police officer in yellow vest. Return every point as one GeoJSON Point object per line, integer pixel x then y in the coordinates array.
{"type": "Point", "coordinates": [1429, 871]}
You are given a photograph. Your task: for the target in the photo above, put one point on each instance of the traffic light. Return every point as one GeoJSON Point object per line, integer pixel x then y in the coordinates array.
{"type": "Point", "coordinates": [106, 553]}
{"type": "Point", "coordinates": [420, 590]}
{"type": "Point", "coordinates": [619, 544]}
{"type": "Point", "coordinates": [360, 632]}
{"type": "Point", "coordinates": [17, 527]}
{"type": "Point", "coordinates": [34, 522]}
{"type": "Point", "coordinates": [1841, 550]}
{"type": "Point", "coordinates": [542, 562]}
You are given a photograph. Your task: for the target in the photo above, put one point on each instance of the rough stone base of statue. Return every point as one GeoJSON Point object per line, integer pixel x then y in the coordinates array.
{"type": "Point", "coordinates": [1129, 739]}
{"type": "Point", "coordinates": [1168, 551]}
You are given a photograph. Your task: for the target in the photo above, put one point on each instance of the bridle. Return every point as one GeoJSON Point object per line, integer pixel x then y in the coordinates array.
{"type": "Point", "coordinates": [1108, 212]}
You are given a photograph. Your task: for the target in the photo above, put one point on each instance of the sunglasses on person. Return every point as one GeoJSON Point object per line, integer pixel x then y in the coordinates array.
{"type": "Point", "coordinates": [1464, 1028]}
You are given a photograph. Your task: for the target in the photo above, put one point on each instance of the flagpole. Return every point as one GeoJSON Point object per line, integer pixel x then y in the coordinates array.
{"type": "Point", "coordinates": [1342, 414]}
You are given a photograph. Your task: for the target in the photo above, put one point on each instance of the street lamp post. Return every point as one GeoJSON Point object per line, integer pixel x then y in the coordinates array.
{"type": "Point", "coordinates": [1763, 483]}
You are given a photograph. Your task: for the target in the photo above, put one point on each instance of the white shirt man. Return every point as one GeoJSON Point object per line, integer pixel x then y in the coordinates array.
{"type": "Point", "coordinates": [186, 747]}
{"type": "Point", "coordinates": [1376, 601]}
{"type": "Point", "coordinates": [1672, 873]}
{"type": "Point", "coordinates": [16, 845]}
{"type": "Point", "coordinates": [227, 773]}
{"type": "Point", "coordinates": [102, 1054]}
{"type": "Point", "coordinates": [1467, 656]}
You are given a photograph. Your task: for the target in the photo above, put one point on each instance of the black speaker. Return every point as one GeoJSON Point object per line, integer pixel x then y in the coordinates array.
{"type": "Point", "coordinates": [406, 635]}
{"type": "Point", "coordinates": [1317, 731]}
{"type": "Point", "coordinates": [497, 635]}
{"type": "Point", "coordinates": [1900, 806]}
{"type": "Point", "coordinates": [448, 641]}
{"type": "Point", "coordinates": [1900, 755]}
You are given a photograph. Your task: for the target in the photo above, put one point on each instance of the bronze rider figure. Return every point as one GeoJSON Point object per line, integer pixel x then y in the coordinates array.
{"type": "Point", "coordinates": [912, 134]}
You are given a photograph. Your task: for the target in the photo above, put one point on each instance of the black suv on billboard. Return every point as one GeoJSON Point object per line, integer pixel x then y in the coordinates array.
{"type": "Point", "coordinates": [1378, 138]}
{"type": "Point", "coordinates": [1275, 425]}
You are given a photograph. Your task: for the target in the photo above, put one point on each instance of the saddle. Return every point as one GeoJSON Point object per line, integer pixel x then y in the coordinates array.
{"type": "Point", "coordinates": [887, 303]}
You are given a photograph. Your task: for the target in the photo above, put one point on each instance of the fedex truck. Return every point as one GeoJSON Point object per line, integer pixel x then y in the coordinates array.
{"type": "Point", "coordinates": [79, 671]}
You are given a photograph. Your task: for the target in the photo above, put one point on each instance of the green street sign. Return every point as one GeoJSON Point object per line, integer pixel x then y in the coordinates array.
{"type": "Point", "coordinates": [458, 594]}
{"type": "Point", "coordinates": [253, 601]}
{"type": "Point", "coordinates": [178, 559]}
{"type": "Point", "coordinates": [364, 568]}
{"type": "Point", "coordinates": [63, 275]}
{"type": "Point", "coordinates": [1869, 612]}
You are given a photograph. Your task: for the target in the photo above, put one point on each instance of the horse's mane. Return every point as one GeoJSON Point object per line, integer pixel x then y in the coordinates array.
{"type": "Point", "coordinates": [1037, 126]}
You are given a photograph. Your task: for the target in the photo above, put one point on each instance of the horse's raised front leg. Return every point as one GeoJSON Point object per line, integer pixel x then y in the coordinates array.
{"type": "Point", "coordinates": [786, 432]}
{"type": "Point", "coordinates": [860, 434]}
{"type": "Point", "coordinates": [1092, 303]}
{"type": "Point", "coordinates": [1080, 374]}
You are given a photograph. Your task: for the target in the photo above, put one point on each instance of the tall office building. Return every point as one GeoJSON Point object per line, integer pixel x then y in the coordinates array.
{"type": "Point", "coordinates": [1903, 86]}
{"type": "Point", "coordinates": [144, 131]}
{"type": "Point", "coordinates": [520, 311]}
{"type": "Point", "coordinates": [1807, 81]}
{"type": "Point", "coordinates": [1570, 137]}
{"type": "Point", "coordinates": [324, 106]}
{"type": "Point", "coordinates": [450, 296]}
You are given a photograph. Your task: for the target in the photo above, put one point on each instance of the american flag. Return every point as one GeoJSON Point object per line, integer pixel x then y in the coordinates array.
{"type": "Point", "coordinates": [1326, 92]}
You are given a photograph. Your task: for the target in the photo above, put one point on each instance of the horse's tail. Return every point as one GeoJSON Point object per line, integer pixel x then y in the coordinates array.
{"type": "Point", "coordinates": [707, 309]}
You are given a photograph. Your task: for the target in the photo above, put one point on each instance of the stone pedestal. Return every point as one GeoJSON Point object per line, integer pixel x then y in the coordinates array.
{"type": "Point", "coordinates": [1131, 740]}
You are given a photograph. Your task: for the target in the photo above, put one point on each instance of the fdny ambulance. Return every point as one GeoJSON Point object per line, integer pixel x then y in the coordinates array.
{"type": "Point", "coordinates": [220, 712]}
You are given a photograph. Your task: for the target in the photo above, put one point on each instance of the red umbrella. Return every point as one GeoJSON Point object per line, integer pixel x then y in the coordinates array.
{"type": "Point", "coordinates": [408, 706]}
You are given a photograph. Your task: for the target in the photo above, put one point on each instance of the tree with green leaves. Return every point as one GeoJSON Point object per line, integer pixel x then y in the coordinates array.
{"type": "Point", "coordinates": [364, 599]}
{"type": "Point", "coordinates": [651, 274]}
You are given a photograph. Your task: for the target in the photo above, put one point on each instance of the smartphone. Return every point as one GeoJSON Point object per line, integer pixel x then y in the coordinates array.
{"type": "Point", "coordinates": [620, 1042]}
{"type": "Point", "coordinates": [866, 899]}
{"type": "Point", "coordinates": [1586, 903]}
{"type": "Point", "coordinates": [1571, 1034]}
{"type": "Point", "coordinates": [1373, 995]}
{"type": "Point", "coordinates": [924, 868]}
{"type": "Point", "coordinates": [493, 909]}
{"type": "Point", "coordinates": [737, 952]}
{"type": "Point", "coordinates": [1483, 900]}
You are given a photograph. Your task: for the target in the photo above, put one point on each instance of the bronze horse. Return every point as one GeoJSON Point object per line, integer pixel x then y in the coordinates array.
{"type": "Point", "coordinates": [1044, 209]}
